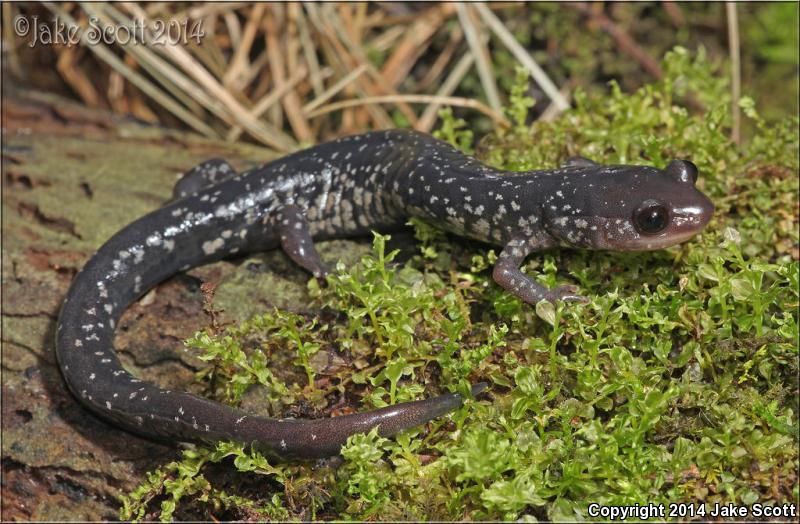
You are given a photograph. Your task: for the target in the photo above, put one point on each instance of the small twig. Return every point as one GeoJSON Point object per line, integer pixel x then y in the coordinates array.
{"type": "Point", "coordinates": [623, 40]}
{"type": "Point", "coordinates": [139, 105]}
{"type": "Point", "coordinates": [736, 73]}
{"type": "Point", "coordinates": [417, 39]}
{"type": "Point", "coordinates": [481, 60]}
{"type": "Point", "coordinates": [675, 13]}
{"type": "Point", "coordinates": [76, 78]}
{"type": "Point", "coordinates": [345, 13]}
{"type": "Point", "coordinates": [238, 64]}
{"type": "Point", "coordinates": [425, 99]}
{"type": "Point", "coordinates": [216, 315]}
{"type": "Point", "coordinates": [519, 52]}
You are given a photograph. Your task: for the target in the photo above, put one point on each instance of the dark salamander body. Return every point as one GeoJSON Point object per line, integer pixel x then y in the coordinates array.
{"type": "Point", "coordinates": [344, 188]}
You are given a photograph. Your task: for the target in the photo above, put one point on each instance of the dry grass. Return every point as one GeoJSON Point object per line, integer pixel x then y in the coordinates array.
{"type": "Point", "coordinates": [287, 74]}
{"type": "Point", "coordinates": [290, 74]}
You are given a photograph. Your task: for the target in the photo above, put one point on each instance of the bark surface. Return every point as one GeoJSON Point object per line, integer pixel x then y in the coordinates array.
{"type": "Point", "coordinates": [72, 177]}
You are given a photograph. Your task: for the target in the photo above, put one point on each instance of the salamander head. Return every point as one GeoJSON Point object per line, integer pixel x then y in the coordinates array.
{"type": "Point", "coordinates": [634, 208]}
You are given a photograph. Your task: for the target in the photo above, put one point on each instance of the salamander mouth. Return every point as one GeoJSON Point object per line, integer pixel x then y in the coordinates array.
{"type": "Point", "coordinates": [651, 243]}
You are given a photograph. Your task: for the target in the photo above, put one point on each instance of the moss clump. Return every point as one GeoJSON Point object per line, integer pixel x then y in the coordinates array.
{"type": "Point", "coordinates": [677, 382]}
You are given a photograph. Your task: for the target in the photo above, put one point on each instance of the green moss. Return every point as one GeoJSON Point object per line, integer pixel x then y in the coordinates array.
{"type": "Point", "coordinates": [676, 382]}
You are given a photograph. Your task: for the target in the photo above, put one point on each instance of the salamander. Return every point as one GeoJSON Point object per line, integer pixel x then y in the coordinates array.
{"type": "Point", "coordinates": [348, 187]}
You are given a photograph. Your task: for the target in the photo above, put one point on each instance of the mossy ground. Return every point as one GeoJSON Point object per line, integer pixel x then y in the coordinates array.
{"type": "Point", "coordinates": [677, 382]}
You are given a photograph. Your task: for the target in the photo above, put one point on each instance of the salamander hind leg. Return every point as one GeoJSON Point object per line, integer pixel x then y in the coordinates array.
{"type": "Point", "coordinates": [508, 275]}
{"type": "Point", "coordinates": [296, 240]}
{"type": "Point", "coordinates": [202, 176]}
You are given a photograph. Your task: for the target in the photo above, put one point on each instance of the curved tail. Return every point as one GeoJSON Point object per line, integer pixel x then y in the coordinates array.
{"type": "Point", "coordinates": [132, 261]}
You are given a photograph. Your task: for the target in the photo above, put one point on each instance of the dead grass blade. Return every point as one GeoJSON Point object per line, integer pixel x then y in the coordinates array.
{"type": "Point", "coordinates": [336, 54]}
{"type": "Point", "coordinates": [412, 46]}
{"type": "Point", "coordinates": [309, 50]}
{"type": "Point", "coordinates": [277, 65]}
{"type": "Point", "coordinates": [262, 131]}
{"type": "Point", "coordinates": [334, 89]}
{"type": "Point", "coordinates": [539, 76]}
{"type": "Point", "coordinates": [439, 65]}
{"type": "Point", "coordinates": [481, 56]}
{"type": "Point", "coordinates": [428, 118]}
{"type": "Point", "coordinates": [268, 72]}
{"type": "Point", "coordinates": [378, 84]}
{"type": "Point", "coordinates": [238, 64]}
{"type": "Point", "coordinates": [104, 54]}
{"type": "Point", "coordinates": [271, 98]}
{"type": "Point", "coordinates": [424, 99]}
{"type": "Point", "coordinates": [736, 70]}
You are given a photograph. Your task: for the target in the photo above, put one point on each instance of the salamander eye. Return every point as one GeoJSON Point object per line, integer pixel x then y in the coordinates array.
{"type": "Point", "coordinates": [651, 217]}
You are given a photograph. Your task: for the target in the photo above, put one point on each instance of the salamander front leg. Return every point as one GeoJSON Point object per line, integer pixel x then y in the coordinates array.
{"type": "Point", "coordinates": [296, 241]}
{"type": "Point", "coordinates": [507, 274]}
